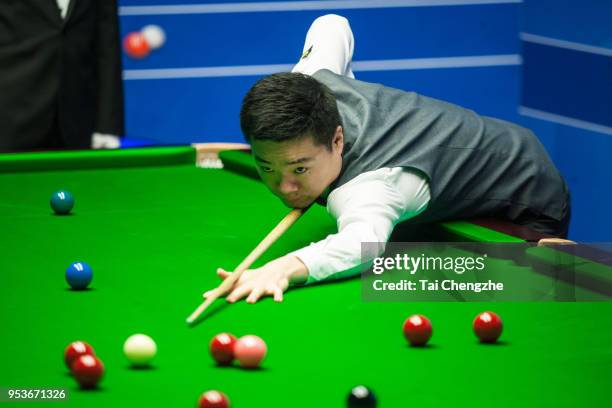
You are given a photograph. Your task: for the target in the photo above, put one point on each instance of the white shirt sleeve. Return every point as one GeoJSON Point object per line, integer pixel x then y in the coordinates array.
{"type": "Point", "coordinates": [329, 45]}
{"type": "Point", "coordinates": [366, 209]}
{"type": "Point", "coordinates": [63, 7]}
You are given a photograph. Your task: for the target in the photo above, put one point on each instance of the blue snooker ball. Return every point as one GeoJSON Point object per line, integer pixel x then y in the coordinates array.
{"type": "Point", "coordinates": [79, 275]}
{"type": "Point", "coordinates": [62, 202]}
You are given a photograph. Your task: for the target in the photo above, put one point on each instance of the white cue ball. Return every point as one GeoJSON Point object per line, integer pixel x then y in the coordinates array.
{"type": "Point", "coordinates": [155, 35]}
{"type": "Point", "coordinates": [139, 349]}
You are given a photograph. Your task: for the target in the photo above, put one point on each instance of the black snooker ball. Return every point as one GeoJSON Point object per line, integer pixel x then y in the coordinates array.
{"type": "Point", "coordinates": [361, 397]}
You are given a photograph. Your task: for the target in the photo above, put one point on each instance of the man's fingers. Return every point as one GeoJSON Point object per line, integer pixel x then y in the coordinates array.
{"type": "Point", "coordinates": [555, 241]}
{"type": "Point", "coordinates": [278, 294]}
{"type": "Point", "coordinates": [239, 293]}
{"type": "Point", "coordinates": [255, 295]}
{"type": "Point", "coordinates": [223, 274]}
{"type": "Point", "coordinates": [250, 286]}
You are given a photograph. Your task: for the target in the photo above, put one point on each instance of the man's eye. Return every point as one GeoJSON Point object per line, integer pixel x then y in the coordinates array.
{"type": "Point", "coordinates": [266, 169]}
{"type": "Point", "coordinates": [300, 170]}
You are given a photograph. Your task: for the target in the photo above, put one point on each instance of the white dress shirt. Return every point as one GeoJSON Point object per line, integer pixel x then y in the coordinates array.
{"type": "Point", "coordinates": [367, 207]}
{"type": "Point", "coordinates": [63, 6]}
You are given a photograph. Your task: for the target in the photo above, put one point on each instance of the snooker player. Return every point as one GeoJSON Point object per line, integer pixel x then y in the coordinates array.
{"type": "Point", "coordinates": [377, 156]}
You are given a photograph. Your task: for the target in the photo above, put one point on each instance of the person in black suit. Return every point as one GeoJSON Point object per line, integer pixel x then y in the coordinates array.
{"type": "Point", "coordinates": [60, 74]}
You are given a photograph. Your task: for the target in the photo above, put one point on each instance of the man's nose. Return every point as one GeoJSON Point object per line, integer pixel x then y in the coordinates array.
{"type": "Point", "coordinates": [288, 185]}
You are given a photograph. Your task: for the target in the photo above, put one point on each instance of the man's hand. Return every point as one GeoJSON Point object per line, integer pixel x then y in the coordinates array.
{"type": "Point", "coordinates": [554, 241]}
{"type": "Point", "coordinates": [272, 279]}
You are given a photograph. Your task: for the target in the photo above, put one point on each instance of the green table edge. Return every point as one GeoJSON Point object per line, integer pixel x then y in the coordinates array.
{"type": "Point", "coordinates": [96, 159]}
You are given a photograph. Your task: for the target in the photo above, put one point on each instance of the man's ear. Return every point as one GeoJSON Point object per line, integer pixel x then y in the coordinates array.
{"type": "Point", "coordinates": [338, 140]}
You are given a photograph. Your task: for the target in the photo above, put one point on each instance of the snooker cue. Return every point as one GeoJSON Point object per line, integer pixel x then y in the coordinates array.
{"type": "Point", "coordinates": [248, 261]}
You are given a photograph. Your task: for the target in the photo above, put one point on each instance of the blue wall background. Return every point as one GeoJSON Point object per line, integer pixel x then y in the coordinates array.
{"type": "Point", "coordinates": [542, 63]}
{"type": "Point", "coordinates": [567, 101]}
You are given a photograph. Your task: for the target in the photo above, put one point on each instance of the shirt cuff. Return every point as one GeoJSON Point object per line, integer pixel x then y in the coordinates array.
{"type": "Point", "coordinates": [312, 257]}
{"type": "Point", "coordinates": [308, 256]}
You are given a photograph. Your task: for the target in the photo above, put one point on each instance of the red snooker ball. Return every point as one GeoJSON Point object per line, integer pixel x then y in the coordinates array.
{"type": "Point", "coordinates": [75, 350]}
{"type": "Point", "coordinates": [213, 399]}
{"type": "Point", "coordinates": [222, 348]}
{"type": "Point", "coordinates": [250, 350]}
{"type": "Point", "coordinates": [488, 327]}
{"type": "Point", "coordinates": [135, 45]}
{"type": "Point", "coordinates": [417, 330]}
{"type": "Point", "coordinates": [88, 370]}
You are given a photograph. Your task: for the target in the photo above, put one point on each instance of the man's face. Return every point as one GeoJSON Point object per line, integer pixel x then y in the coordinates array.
{"type": "Point", "coordinates": [298, 171]}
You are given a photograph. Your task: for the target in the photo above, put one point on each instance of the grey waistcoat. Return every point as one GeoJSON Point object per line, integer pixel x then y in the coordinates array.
{"type": "Point", "coordinates": [475, 165]}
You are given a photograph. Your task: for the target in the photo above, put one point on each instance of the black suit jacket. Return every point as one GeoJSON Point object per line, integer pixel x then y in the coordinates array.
{"type": "Point", "coordinates": [59, 73]}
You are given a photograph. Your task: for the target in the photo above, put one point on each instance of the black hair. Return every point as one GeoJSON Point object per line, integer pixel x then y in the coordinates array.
{"type": "Point", "coordinates": [288, 106]}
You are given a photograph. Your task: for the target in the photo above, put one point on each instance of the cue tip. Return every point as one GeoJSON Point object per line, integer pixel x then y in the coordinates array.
{"type": "Point", "coordinates": [200, 309]}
